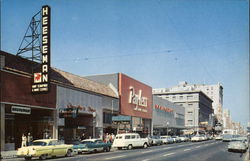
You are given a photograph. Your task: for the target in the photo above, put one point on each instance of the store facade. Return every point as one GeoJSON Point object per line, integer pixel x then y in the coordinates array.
{"type": "Point", "coordinates": [83, 109]}
{"type": "Point", "coordinates": [135, 103]}
{"type": "Point", "coordinates": [168, 118]}
{"type": "Point", "coordinates": [23, 112]}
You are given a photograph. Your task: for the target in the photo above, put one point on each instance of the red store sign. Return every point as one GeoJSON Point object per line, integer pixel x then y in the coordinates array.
{"type": "Point", "coordinates": [135, 97]}
{"type": "Point", "coordinates": [166, 109]}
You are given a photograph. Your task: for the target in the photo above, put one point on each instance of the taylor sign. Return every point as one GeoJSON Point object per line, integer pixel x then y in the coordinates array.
{"type": "Point", "coordinates": [138, 100]}
{"type": "Point", "coordinates": [41, 79]}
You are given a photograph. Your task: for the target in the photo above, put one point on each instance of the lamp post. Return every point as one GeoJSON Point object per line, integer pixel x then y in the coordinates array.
{"type": "Point", "coordinates": [167, 127]}
{"type": "Point", "coordinates": [94, 121]}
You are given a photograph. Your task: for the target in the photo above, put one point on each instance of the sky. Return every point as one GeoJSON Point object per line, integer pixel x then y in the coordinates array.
{"type": "Point", "coordinates": [158, 42]}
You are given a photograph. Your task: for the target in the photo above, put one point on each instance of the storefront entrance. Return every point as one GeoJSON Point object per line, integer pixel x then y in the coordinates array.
{"type": "Point", "coordinates": [39, 123]}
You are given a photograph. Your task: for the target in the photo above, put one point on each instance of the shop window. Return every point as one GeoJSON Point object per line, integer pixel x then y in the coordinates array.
{"type": "Point", "coordinates": [107, 118]}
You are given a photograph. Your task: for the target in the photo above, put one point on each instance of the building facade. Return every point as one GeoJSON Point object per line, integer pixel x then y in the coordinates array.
{"type": "Point", "coordinates": [215, 92]}
{"type": "Point", "coordinates": [168, 118]}
{"type": "Point", "coordinates": [135, 100]}
{"type": "Point", "coordinates": [73, 105]}
{"type": "Point", "coordinates": [198, 106]}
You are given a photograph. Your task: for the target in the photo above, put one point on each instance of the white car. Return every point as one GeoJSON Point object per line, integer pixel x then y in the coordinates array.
{"type": "Point", "coordinates": [196, 138]}
{"type": "Point", "coordinates": [129, 140]}
{"type": "Point", "coordinates": [166, 139]}
{"type": "Point", "coordinates": [218, 137]}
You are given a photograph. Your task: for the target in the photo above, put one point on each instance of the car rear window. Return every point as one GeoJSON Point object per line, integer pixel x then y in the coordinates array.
{"type": "Point", "coordinates": [133, 137]}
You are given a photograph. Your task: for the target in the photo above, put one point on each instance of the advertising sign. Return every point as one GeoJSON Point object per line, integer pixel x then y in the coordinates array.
{"type": "Point", "coordinates": [21, 110]}
{"type": "Point", "coordinates": [135, 97]}
{"type": "Point", "coordinates": [41, 79]}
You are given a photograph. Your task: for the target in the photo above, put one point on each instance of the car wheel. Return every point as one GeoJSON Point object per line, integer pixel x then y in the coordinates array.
{"type": "Point", "coordinates": [108, 149]}
{"type": "Point", "coordinates": [130, 147]}
{"type": "Point", "coordinates": [69, 153]}
{"type": "Point", "coordinates": [27, 158]}
{"type": "Point", "coordinates": [145, 145]}
{"type": "Point", "coordinates": [43, 157]}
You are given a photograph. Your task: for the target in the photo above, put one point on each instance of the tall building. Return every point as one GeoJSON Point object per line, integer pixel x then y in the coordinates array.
{"type": "Point", "coordinates": [215, 92]}
{"type": "Point", "coordinates": [227, 122]}
{"type": "Point", "coordinates": [198, 106]}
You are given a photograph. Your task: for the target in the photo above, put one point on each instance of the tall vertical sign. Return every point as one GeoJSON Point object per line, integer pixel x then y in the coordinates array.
{"type": "Point", "coordinates": [41, 81]}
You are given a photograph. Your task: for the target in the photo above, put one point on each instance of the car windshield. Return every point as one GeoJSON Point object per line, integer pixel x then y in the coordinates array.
{"type": "Point", "coordinates": [86, 142]}
{"type": "Point", "coordinates": [39, 143]}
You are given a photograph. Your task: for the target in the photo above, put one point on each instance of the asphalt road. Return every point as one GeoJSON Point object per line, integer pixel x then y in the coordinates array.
{"type": "Point", "coordinates": [188, 151]}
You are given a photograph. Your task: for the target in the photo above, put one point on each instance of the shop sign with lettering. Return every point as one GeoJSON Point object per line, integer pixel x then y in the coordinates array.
{"type": "Point", "coordinates": [138, 100]}
{"type": "Point", "coordinates": [41, 81]}
{"type": "Point", "coordinates": [21, 110]}
{"type": "Point", "coordinates": [166, 109]}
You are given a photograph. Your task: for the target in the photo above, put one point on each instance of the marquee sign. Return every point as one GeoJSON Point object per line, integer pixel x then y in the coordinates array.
{"type": "Point", "coordinates": [41, 79]}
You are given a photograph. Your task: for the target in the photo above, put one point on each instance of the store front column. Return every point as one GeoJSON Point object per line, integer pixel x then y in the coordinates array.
{"type": "Point", "coordinates": [2, 119]}
{"type": "Point", "coordinates": [55, 124]}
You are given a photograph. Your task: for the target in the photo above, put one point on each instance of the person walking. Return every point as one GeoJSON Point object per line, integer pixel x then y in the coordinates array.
{"type": "Point", "coordinates": [24, 141]}
{"type": "Point", "coordinates": [29, 139]}
{"type": "Point", "coordinates": [83, 137]}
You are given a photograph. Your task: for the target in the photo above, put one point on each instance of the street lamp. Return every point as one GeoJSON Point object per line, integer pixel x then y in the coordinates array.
{"type": "Point", "coordinates": [94, 121]}
{"type": "Point", "coordinates": [167, 127]}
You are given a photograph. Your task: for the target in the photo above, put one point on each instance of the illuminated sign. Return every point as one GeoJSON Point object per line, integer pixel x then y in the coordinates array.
{"type": "Point", "coordinates": [138, 100]}
{"type": "Point", "coordinates": [41, 79]}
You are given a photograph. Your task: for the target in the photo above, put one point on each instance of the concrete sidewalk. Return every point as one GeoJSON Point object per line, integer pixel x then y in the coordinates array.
{"type": "Point", "coordinates": [8, 154]}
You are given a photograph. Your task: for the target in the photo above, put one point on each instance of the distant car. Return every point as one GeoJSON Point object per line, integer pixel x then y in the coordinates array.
{"type": "Point", "coordinates": [129, 140]}
{"type": "Point", "coordinates": [218, 137]}
{"type": "Point", "coordinates": [183, 138]}
{"type": "Point", "coordinates": [196, 138]}
{"type": "Point", "coordinates": [237, 144]}
{"type": "Point", "coordinates": [176, 139]}
{"type": "Point", "coordinates": [156, 140]}
{"type": "Point", "coordinates": [91, 145]}
{"type": "Point", "coordinates": [167, 139]}
{"type": "Point", "coordinates": [45, 148]}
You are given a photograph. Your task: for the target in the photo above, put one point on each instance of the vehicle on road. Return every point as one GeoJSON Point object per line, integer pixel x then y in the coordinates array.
{"type": "Point", "coordinates": [91, 145]}
{"type": "Point", "coordinates": [218, 137]}
{"type": "Point", "coordinates": [196, 138]}
{"type": "Point", "coordinates": [176, 139]}
{"type": "Point", "coordinates": [129, 141]}
{"type": "Point", "coordinates": [155, 140]}
{"type": "Point", "coordinates": [238, 144]}
{"type": "Point", "coordinates": [45, 148]}
{"type": "Point", "coordinates": [183, 138]}
{"type": "Point", "coordinates": [167, 139]}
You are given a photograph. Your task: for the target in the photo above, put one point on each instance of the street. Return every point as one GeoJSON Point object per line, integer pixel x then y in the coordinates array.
{"type": "Point", "coordinates": [187, 151]}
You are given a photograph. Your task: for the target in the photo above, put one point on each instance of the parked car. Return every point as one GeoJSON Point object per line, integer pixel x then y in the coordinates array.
{"type": "Point", "coordinates": [218, 137]}
{"type": "Point", "coordinates": [91, 145]}
{"type": "Point", "coordinates": [45, 148]}
{"type": "Point", "coordinates": [156, 140]}
{"type": "Point", "coordinates": [129, 140]}
{"type": "Point", "coordinates": [238, 144]}
{"type": "Point", "coordinates": [176, 139]}
{"type": "Point", "coordinates": [167, 139]}
{"type": "Point", "coordinates": [183, 138]}
{"type": "Point", "coordinates": [196, 138]}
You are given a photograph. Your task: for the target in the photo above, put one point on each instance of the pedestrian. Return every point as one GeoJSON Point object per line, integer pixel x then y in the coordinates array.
{"type": "Point", "coordinates": [107, 138]}
{"type": "Point", "coordinates": [29, 139]}
{"type": "Point", "coordinates": [24, 141]}
{"type": "Point", "coordinates": [83, 137]}
{"type": "Point", "coordinates": [113, 137]}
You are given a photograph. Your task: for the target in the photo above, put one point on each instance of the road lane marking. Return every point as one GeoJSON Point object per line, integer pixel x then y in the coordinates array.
{"type": "Point", "coordinates": [148, 151]}
{"type": "Point", "coordinates": [119, 156]}
{"type": "Point", "coordinates": [168, 148]}
{"type": "Point", "coordinates": [186, 149]}
{"type": "Point", "coordinates": [197, 146]}
{"type": "Point", "coordinates": [168, 154]}
{"type": "Point", "coordinates": [145, 160]}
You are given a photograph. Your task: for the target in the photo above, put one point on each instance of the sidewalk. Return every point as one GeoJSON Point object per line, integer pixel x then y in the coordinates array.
{"type": "Point", "coordinates": [8, 154]}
